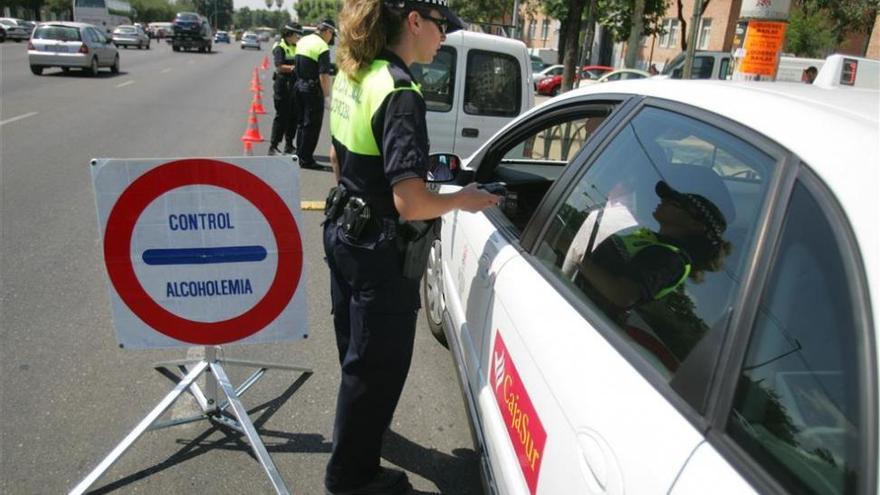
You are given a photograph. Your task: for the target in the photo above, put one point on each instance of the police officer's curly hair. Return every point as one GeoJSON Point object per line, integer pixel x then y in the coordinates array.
{"type": "Point", "coordinates": [365, 28]}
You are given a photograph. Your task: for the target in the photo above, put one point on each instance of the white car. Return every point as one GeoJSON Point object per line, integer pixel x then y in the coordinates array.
{"type": "Point", "coordinates": [131, 36]}
{"type": "Point", "coordinates": [250, 40]}
{"type": "Point", "coordinates": [553, 70]}
{"type": "Point", "coordinates": [677, 295]}
{"type": "Point", "coordinates": [71, 45]}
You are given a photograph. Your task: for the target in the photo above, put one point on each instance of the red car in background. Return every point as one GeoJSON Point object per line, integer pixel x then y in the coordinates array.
{"type": "Point", "coordinates": [551, 85]}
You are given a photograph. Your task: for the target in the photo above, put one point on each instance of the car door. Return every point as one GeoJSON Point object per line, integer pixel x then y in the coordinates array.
{"type": "Point", "coordinates": [494, 92]}
{"type": "Point", "coordinates": [605, 396]}
{"type": "Point", "coordinates": [802, 390]}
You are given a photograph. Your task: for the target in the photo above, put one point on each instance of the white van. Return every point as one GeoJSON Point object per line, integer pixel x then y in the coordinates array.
{"type": "Point", "coordinates": [475, 85]}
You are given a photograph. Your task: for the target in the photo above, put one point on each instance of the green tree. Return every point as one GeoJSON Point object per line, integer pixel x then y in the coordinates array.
{"type": "Point", "coordinates": [314, 11]}
{"type": "Point", "coordinates": [617, 17]}
{"type": "Point", "coordinates": [810, 35]}
{"type": "Point", "coordinates": [243, 18]}
{"type": "Point", "coordinates": [482, 10]}
{"type": "Point", "coordinates": [844, 16]}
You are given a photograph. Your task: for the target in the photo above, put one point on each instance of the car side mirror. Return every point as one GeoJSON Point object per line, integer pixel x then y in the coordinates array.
{"type": "Point", "coordinates": [443, 167]}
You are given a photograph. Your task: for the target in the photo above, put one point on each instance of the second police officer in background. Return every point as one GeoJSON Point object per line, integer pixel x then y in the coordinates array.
{"type": "Point", "coordinates": [380, 157]}
{"type": "Point", "coordinates": [312, 85]}
{"type": "Point", "coordinates": [285, 122]}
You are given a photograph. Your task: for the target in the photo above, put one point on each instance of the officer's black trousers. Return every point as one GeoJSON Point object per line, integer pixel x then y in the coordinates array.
{"type": "Point", "coordinates": [310, 107]}
{"type": "Point", "coordinates": [374, 315]}
{"type": "Point", "coordinates": [285, 122]}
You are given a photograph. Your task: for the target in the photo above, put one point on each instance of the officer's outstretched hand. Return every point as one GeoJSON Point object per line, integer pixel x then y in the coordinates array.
{"type": "Point", "coordinates": [473, 199]}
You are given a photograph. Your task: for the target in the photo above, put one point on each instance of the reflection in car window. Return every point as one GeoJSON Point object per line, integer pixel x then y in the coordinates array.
{"type": "Point", "coordinates": [531, 165]}
{"type": "Point", "coordinates": [493, 85]}
{"type": "Point", "coordinates": [437, 80]}
{"type": "Point", "coordinates": [654, 234]}
{"type": "Point", "coordinates": [797, 403]}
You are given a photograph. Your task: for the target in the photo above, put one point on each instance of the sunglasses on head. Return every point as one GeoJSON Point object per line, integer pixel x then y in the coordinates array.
{"type": "Point", "coordinates": [441, 22]}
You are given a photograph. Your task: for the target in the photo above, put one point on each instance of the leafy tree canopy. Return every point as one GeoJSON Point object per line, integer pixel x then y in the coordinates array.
{"type": "Point", "coordinates": [482, 10]}
{"type": "Point", "coordinates": [616, 16]}
{"type": "Point", "coordinates": [844, 16]}
{"type": "Point", "coordinates": [314, 11]}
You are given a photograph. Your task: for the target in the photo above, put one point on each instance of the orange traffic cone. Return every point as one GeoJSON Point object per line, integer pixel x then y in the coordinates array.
{"type": "Point", "coordinates": [257, 104]}
{"type": "Point", "coordinates": [248, 148]}
{"type": "Point", "coordinates": [253, 131]}
{"type": "Point", "coordinates": [255, 82]}
{"type": "Point", "coordinates": [265, 62]}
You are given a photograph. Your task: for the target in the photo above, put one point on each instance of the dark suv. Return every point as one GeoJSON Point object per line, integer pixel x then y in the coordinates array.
{"type": "Point", "coordinates": [191, 31]}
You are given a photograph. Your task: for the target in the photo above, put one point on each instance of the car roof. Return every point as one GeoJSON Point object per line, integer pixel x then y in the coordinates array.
{"type": "Point", "coordinates": [835, 131]}
{"type": "Point", "coordinates": [68, 24]}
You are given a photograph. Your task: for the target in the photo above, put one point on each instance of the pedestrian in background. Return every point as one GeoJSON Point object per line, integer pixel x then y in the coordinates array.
{"type": "Point", "coordinates": [312, 85]}
{"type": "Point", "coordinates": [380, 158]}
{"type": "Point", "coordinates": [809, 74]}
{"type": "Point", "coordinates": [285, 122]}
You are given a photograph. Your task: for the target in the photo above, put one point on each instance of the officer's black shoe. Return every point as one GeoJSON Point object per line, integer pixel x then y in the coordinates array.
{"type": "Point", "coordinates": [386, 482]}
{"type": "Point", "coordinates": [311, 166]}
{"type": "Point", "coordinates": [289, 149]}
{"type": "Point", "coordinates": [273, 150]}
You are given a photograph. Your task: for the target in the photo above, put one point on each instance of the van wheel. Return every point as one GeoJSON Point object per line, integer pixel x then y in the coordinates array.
{"type": "Point", "coordinates": [432, 293]}
{"type": "Point", "coordinates": [37, 70]}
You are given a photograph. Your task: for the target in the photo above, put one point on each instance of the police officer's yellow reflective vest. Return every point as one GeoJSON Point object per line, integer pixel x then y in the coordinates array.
{"type": "Point", "coordinates": [312, 46]}
{"type": "Point", "coordinates": [639, 239]}
{"type": "Point", "coordinates": [289, 50]}
{"type": "Point", "coordinates": [356, 101]}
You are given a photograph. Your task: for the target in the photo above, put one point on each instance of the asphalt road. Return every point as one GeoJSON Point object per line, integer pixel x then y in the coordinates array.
{"type": "Point", "coordinates": [68, 394]}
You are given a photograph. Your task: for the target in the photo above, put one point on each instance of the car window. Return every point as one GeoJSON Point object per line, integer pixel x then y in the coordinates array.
{"type": "Point", "coordinates": [702, 68]}
{"type": "Point", "coordinates": [530, 164]}
{"type": "Point", "coordinates": [654, 234]}
{"type": "Point", "coordinates": [437, 80]}
{"type": "Point", "coordinates": [798, 401]}
{"type": "Point", "coordinates": [724, 69]}
{"type": "Point", "coordinates": [493, 85]}
{"type": "Point", "coordinates": [59, 33]}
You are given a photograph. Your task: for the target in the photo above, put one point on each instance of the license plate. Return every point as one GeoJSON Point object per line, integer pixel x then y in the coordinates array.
{"type": "Point", "coordinates": [55, 48]}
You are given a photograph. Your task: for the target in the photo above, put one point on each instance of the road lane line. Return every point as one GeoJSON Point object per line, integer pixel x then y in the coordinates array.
{"type": "Point", "coordinates": [22, 116]}
{"type": "Point", "coordinates": [126, 83]}
{"type": "Point", "coordinates": [165, 70]}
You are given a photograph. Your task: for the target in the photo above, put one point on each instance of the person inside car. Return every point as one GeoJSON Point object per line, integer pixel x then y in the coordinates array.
{"type": "Point", "coordinates": [636, 265]}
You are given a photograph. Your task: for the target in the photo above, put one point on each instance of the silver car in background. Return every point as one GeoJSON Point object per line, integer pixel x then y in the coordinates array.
{"type": "Point", "coordinates": [15, 29]}
{"type": "Point", "coordinates": [131, 36]}
{"type": "Point", "coordinates": [71, 44]}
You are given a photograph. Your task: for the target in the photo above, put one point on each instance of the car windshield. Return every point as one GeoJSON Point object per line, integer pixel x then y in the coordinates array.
{"type": "Point", "coordinates": [673, 64]}
{"type": "Point", "coordinates": [60, 33]}
{"type": "Point", "coordinates": [7, 22]}
{"type": "Point", "coordinates": [187, 17]}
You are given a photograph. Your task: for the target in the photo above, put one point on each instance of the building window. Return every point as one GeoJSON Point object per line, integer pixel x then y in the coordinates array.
{"type": "Point", "coordinates": [545, 29]}
{"type": "Point", "coordinates": [533, 26]}
{"type": "Point", "coordinates": [705, 33]}
{"type": "Point", "coordinates": [671, 33]}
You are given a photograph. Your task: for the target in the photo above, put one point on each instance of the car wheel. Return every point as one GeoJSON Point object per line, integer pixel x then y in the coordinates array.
{"type": "Point", "coordinates": [148, 45]}
{"type": "Point", "coordinates": [555, 91]}
{"type": "Point", "coordinates": [115, 67]}
{"type": "Point", "coordinates": [18, 40]}
{"type": "Point", "coordinates": [175, 48]}
{"type": "Point", "coordinates": [37, 70]}
{"type": "Point", "coordinates": [65, 70]}
{"type": "Point", "coordinates": [432, 293]}
{"type": "Point", "coordinates": [93, 67]}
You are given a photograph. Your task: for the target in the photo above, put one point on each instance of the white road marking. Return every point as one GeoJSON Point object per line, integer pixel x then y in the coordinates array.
{"type": "Point", "coordinates": [22, 116]}
{"type": "Point", "coordinates": [165, 71]}
{"type": "Point", "coordinates": [126, 83]}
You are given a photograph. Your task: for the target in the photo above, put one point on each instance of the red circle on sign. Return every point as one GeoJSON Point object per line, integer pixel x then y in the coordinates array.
{"type": "Point", "coordinates": [146, 188]}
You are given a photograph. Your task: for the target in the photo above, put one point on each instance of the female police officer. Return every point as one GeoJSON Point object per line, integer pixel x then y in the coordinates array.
{"type": "Point", "coordinates": [285, 122]}
{"type": "Point", "coordinates": [380, 155]}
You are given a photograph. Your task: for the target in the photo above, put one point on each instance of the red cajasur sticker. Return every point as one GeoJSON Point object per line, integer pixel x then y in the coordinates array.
{"type": "Point", "coordinates": [523, 424]}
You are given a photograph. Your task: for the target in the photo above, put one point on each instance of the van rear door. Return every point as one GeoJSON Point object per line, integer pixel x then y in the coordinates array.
{"type": "Point", "coordinates": [496, 88]}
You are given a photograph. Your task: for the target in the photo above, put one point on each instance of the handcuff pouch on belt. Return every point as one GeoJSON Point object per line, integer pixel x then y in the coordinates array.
{"type": "Point", "coordinates": [415, 240]}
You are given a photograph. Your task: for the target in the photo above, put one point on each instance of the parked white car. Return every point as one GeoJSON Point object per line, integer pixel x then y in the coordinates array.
{"type": "Point", "coordinates": [677, 295]}
{"type": "Point", "coordinates": [71, 45]}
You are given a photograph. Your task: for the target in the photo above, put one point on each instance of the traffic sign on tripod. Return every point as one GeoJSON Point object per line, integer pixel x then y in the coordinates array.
{"type": "Point", "coordinates": [202, 251]}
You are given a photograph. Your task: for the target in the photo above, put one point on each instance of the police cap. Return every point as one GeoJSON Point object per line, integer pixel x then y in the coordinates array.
{"type": "Point", "coordinates": [452, 20]}
{"type": "Point", "coordinates": [327, 25]}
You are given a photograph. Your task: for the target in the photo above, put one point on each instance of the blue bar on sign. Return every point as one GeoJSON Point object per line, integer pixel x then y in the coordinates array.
{"type": "Point", "coordinates": [204, 256]}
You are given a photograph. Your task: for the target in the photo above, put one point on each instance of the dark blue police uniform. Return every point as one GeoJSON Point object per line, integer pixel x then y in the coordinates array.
{"type": "Point", "coordinates": [285, 121]}
{"type": "Point", "coordinates": [380, 137]}
{"type": "Point", "coordinates": [312, 60]}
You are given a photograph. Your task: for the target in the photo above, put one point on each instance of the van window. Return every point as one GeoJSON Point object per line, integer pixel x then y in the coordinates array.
{"type": "Point", "coordinates": [703, 67]}
{"type": "Point", "coordinates": [801, 391]}
{"type": "Point", "coordinates": [493, 85]}
{"type": "Point", "coordinates": [437, 80]}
